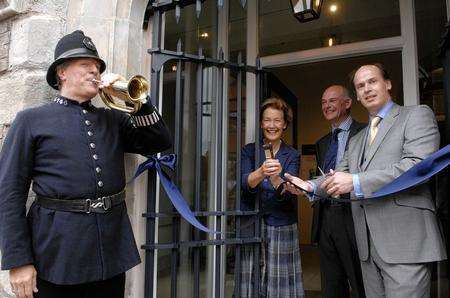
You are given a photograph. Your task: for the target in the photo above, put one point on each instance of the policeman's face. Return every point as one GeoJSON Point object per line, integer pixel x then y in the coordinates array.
{"type": "Point", "coordinates": [76, 78]}
{"type": "Point", "coordinates": [335, 104]}
{"type": "Point", "coordinates": [273, 124]}
{"type": "Point", "coordinates": [371, 88]}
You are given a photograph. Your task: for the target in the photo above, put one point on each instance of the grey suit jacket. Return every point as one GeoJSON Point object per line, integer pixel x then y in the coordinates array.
{"type": "Point", "coordinates": [403, 226]}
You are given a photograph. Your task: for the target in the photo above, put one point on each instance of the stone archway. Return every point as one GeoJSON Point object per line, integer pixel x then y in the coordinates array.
{"type": "Point", "coordinates": [116, 28]}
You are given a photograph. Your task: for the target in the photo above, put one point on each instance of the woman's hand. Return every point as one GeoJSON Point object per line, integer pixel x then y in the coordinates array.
{"type": "Point", "coordinates": [271, 167]}
{"type": "Point", "coordinates": [292, 180]}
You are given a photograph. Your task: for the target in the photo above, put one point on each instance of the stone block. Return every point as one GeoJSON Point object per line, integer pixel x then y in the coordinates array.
{"type": "Point", "coordinates": [5, 26]}
{"type": "Point", "coordinates": [4, 38]}
{"type": "Point", "coordinates": [3, 130]}
{"type": "Point", "coordinates": [4, 64]}
{"type": "Point", "coordinates": [48, 7]}
{"type": "Point", "coordinates": [31, 44]}
{"type": "Point", "coordinates": [100, 32]}
{"type": "Point", "coordinates": [99, 8]}
{"type": "Point", "coordinates": [4, 50]}
{"type": "Point", "coordinates": [20, 90]}
{"type": "Point", "coordinates": [3, 4]}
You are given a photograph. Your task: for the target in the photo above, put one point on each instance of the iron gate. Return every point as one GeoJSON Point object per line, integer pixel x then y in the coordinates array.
{"type": "Point", "coordinates": [161, 57]}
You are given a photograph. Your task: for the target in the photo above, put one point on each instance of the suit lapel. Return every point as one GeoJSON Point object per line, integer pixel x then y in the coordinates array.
{"type": "Point", "coordinates": [353, 130]}
{"type": "Point", "coordinates": [386, 125]}
{"type": "Point", "coordinates": [323, 149]}
{"type": "Point", "coordinates": [360, 146]}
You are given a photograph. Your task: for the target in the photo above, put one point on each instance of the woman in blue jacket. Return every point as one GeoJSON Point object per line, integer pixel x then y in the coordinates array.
{"type": "Point", "coordinates": [281, 267]}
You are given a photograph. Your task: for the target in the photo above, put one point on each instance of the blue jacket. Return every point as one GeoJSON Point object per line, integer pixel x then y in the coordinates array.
{"type": "Point", "coordinates": [277, 211]}
{"type": "Point", "coordinates": [71, 151]}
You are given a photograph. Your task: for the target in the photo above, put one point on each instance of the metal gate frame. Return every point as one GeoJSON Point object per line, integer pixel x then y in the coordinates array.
{"type": "Point", "coordinates": [159, 58]}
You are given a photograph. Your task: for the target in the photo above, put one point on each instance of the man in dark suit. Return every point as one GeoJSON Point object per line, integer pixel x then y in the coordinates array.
{"type": "Point", "coordinates": [332, 225]}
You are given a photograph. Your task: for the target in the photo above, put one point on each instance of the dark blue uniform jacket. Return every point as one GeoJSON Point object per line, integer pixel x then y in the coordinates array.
{"type": "Point", "coordinates": [71, 151]}
{"type": "Point", "coordinates": [277, 211]}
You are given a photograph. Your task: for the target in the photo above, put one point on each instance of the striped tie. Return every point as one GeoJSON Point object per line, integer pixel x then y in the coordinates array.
{"type": "Point", "coordinates": [374, 128]}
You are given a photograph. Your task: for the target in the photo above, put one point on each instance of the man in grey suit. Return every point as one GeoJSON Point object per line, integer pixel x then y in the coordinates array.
{"type": "Point", "coordinates": [398, 235]}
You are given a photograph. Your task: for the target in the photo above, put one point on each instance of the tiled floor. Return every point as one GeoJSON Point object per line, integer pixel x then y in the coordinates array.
{"type": "Point", "coordinates": [310, 272]}
{"type": "Point", "coordinates": [311, 280]}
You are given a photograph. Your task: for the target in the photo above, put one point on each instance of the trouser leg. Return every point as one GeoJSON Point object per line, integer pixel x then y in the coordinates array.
{"type": "Point", "coordinates": [50, 290]}
{"type": "Point", "coordinates": [404, 280]}
{"type": "Point", "coordinates": [110, 288]}
{"type": "Point", "coordinates": [394, 280]}
{"type": "Point", "coordinates": [334, 280]}
{"type": "Point", "coordinates": [344, 237]}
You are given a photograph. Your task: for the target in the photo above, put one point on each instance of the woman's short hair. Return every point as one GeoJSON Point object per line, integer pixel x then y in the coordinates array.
{"type": "Point", "coordinates": [277, 104]}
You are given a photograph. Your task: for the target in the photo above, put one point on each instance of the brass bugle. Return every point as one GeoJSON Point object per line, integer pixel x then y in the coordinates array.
{"type": "Point", "coordinates": [133, 93]}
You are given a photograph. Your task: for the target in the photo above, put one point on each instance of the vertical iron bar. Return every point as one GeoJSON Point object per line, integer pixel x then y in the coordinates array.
{"type": "Point", "coordinates": [219, 119]}
{"type": "Point", "coordinates": [238, 247]}
{"type": "Point", "coordinates": [198, 164]}
{"type": "Point", "coordinates": [151, 185]}
{"type": "Point", "coordinates": [257, 246]}
{"type": "Point", "coordinates": [177, 150]}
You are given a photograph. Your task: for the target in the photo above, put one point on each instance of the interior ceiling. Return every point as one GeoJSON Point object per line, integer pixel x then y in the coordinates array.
{"type": "Point", "coordinates": [310, 80]}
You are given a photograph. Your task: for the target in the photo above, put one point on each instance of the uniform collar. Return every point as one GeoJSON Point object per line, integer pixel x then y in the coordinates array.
{"type": "Point", "coordinates": [65, 101]}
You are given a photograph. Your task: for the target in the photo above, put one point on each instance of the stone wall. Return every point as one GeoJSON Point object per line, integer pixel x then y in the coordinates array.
{"type": "Point", "coordinates": [29, 31]}
{"type": "Point", "coordinates": [5, 32]}
{"type": "Point", "coordinates": [3, 4]}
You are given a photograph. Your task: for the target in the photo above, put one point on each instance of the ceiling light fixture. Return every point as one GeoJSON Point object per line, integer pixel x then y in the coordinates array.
{"type": "Point", "coordinates": [333, 8]}
{"type": "Point", "coordinates": [306, 10]}
{"type": "Point", "coordinates": [330, 41]}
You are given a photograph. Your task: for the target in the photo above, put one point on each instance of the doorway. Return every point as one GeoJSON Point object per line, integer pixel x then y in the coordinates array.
{"type": "Point", "coordinates": [307, 83]}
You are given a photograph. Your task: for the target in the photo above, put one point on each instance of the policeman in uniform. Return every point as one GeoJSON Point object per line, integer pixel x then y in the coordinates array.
{"type": "Point", "coordinates": [76, 240]}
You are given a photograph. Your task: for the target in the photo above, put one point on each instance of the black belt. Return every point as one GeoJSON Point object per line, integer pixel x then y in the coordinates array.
{"type": "Point", "coordinates": [99, 205]}
{"type": "Point", "coordinates": [330, 203]}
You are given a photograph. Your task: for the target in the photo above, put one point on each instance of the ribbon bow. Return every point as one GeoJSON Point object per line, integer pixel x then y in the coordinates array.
{"type": "Point", "coordinates": [172, 191]}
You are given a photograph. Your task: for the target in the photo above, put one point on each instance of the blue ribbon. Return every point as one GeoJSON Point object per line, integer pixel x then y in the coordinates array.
{"type": "Point", "coordinates": [172, 191]}
{"type": "Point", "coordinates": [417, 174]}
{"type": "Point", "coordinates": [420, 172]}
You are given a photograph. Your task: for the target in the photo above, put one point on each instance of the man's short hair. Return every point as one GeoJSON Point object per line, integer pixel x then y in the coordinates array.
{"type": "Point", "coordinates": [345, 92]}
{"type": "Point", "coordinates": [380, 66]}
{"type": "Point", "coordinates": [60, 66]}
{"type": "Point", "coordinates": [347, 95]}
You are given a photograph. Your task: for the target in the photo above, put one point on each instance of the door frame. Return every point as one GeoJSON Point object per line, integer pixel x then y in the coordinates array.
{"type": "Point", "coordinates": [406, 43]}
